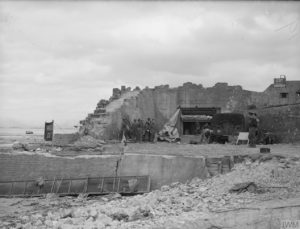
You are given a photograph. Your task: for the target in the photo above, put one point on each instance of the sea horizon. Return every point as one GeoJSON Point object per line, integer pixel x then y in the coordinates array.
{"type": "Point", "coordinates": [21, 131]}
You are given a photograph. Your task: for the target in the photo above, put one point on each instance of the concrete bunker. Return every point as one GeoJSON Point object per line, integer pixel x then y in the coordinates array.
{"type": "Point", "coordinates": [193, 119]}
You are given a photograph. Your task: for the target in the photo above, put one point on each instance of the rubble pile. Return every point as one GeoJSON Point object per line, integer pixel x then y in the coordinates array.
{"type": "Point", "coordinates": [87, 142]}
{"type": "Point", "coordinates": [177, 204]}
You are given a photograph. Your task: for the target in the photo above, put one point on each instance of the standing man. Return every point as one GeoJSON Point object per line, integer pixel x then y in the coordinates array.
{"type": "Point", "coordinates": [140, 128]}
{"type": "Point", "coordinates": [147, 130]}
{"type": "Point", "coordinates": [134, 130]}
{"type": "Point", "coordinates": [152, 131]}
{"type": "Point", "coordinates": [253, 129]}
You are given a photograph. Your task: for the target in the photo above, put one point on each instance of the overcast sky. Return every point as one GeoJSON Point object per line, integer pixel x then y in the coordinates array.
{"type": "Point", "coordinates": [58, 59]}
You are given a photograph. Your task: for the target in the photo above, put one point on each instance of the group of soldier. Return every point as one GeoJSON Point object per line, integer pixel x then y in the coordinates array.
{"type": "Point", "coordinates": [146, 131]}
{"type": "Point", "coordinates": [139, 130]}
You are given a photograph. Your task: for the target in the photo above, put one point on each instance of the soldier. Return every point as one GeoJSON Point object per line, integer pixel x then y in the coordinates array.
{"type": "Point", "coordinates": [253, 129]}
{"type": "Point", "coordinates": [134, 130]}
{"type": "Point", "coordinates": [140, 130]}
{"type": "Point", "coordinates": [152, 131]}
{"type": "Point", "coordinates": [147, 130]}
{"type": "Point", "coordinates": [205, 134]}
{"type": "Point", "coordinates": [125, 128]}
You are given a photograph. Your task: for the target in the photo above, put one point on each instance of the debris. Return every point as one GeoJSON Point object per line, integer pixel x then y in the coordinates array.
{"type": "Point", "coordinates": [87, 142]}
{"type": "Point", "coordinates": [243, 187]}
{"type": "Point", "coordinates": [264, 150]}
{"type": "Point", "coordinates": [175, 204]}
{"type": "Point", "coordinates": [120, 216]}
{"type": "Point", "coordinates": [165, 188]}
{"type": "Point", "coordinates": [58, 149]}
{"type": "Point", "coordinates": [19, 146]}
{"type": "Point", "coordinates": [64, 213]}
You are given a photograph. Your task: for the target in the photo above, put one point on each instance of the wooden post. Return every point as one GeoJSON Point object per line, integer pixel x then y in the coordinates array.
{"type": "Point", "coordinates": [59, 184]}
{"type": "Point", "coordinates": [118, 184]}
{"type": "Point", "coordinates": [102, 184]}
{"type": "Point", "coordinates": [11, 188]}
{"type": "Point", "coordinates": [114, 184]}
{"type": "Point", "coordinates": [25, 188]}
{"type": "Point", "coordinates": [52, 185]}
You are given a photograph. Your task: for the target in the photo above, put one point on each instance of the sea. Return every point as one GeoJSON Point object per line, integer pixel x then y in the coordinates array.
{"type": "Point", "coordinates": [9, 135]}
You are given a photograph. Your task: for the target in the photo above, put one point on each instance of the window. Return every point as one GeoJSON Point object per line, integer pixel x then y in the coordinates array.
{"type": "Point", "coordinates": [283, 95]}
{"type": "Point", "coordinates": [298, 94]}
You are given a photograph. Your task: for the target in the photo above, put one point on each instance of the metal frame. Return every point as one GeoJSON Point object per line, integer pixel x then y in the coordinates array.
{"type": "Point", "coordinates": [74, 186]}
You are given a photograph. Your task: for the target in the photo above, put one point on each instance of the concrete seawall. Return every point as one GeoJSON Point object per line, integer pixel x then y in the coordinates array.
{"type": "Point", "coordinates": [162, 169]}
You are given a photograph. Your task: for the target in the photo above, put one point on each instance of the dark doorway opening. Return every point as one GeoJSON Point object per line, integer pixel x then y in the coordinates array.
{"type": "Point", "coordinates": [193, 128]}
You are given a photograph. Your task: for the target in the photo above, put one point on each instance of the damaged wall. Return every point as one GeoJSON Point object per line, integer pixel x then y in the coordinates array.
{"type": "Point", "coordinates": [161, 102]}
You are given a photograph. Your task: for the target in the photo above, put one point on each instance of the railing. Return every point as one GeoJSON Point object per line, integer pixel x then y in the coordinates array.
{"type": "Point", "coordinates": [75, 186]}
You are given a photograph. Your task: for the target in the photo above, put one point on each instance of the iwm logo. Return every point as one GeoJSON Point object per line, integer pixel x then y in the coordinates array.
{"type": "Point", "coordinates": [290, 224]}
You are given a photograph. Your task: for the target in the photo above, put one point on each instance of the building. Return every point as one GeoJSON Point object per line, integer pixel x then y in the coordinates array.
{"type": "Point", "coordinates": [278, 107]}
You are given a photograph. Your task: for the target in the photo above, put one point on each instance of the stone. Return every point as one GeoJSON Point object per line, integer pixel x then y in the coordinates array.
{"type": "Point", "coordinates": [51, 196]}
{"type": "Point", "coordinates": [18, 146]}
{"type": "Point", "coordinates": [99, 225]}
{"type": "Point", "coordinates": [106, 220]}
{"type": "Point", "coordinates": [19, 226]}
{"type": "Point", "coordinates": [165, 188]}
{"type": "Point", "coordinates": [93, 213]}
{"type": "Point", "coordinates": [162, 198]}
{"type": "Point", "coordinates": [27, 226]}
{"type": "Point", "coordinates": [79, 212]}
{"type": "Point", "coordinates": [120, 216]}
{"type": "Point", "coordinates": [25, 218]}
{"type": "Point", "coordinates": [105, 199]}
{"type": "Point", "coordinates": [64, 213]}
{"type": "Point", "coordinates": [48, 223]}
{"type": "Point", "coordinates": [175, 184]}
{"type": "Point", "coordinates": [38, 222]}
{"type": "Point", "coordinates": [36, 217]}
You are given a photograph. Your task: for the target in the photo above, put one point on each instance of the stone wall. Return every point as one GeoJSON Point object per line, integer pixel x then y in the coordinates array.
{"type": "Point", "coordinates": [161, 102]}
{"type": "Point", "coordinates": [283, 121]}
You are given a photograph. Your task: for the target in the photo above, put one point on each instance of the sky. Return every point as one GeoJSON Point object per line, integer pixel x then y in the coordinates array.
{"type": "Point", "coordinates": [59, 58]}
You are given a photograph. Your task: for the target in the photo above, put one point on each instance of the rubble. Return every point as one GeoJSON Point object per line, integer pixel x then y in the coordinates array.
{"type": "Point", "coordinates": [88, 142]}
{"type": "Point", "coordinates": [174, 205]}
{"type": "Point", "coordinates": [244, 187]}
{"type": "Point", "coordinates": [20, 146]}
